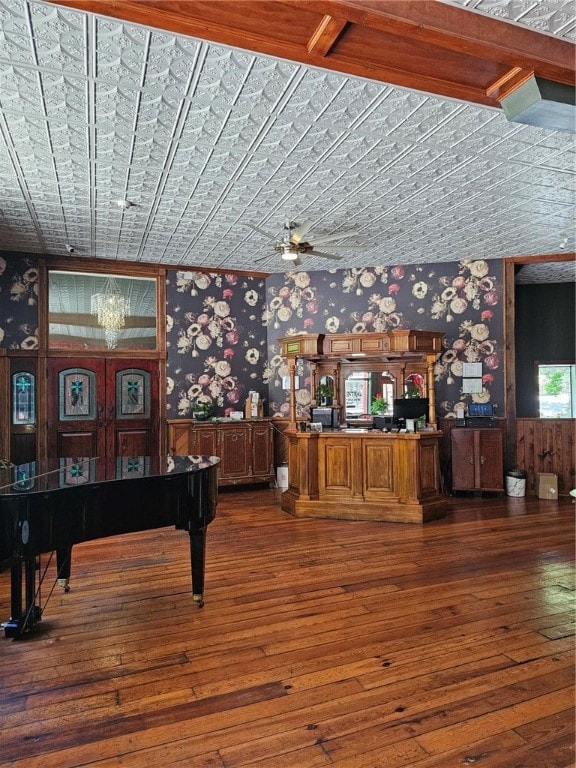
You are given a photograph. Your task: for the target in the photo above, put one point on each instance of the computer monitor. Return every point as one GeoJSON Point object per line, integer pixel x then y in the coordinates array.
{"type": "Point", "coordinates": [410, 408]}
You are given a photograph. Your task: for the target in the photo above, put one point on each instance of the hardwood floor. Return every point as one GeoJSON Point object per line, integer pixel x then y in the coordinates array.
{"type": "Point", "coordinates": [322, 643]}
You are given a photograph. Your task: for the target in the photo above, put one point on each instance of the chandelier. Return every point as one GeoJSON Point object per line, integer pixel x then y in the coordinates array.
{"type": "Point", "coordinates": [111, 309]}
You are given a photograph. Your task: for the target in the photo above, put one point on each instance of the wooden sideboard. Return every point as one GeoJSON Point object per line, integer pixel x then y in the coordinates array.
{"type": "Point", "coordinates": [357, 475]}
{"type": "Point", "coordinates": [245, 448]}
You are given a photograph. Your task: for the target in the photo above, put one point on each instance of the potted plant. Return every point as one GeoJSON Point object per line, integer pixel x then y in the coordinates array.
{"type": "Point", "coordinates": [412, 390]}
{"type": "Point", "coordinates": [379, 406]}
{"type": "Point", "coordinates": [201, 410]}
{"type": "Point", "coordinates": [324, 394]}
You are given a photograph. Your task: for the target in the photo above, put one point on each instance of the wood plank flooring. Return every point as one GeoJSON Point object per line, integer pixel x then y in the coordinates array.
{"type": "Point", "coordinates": [321, 643]}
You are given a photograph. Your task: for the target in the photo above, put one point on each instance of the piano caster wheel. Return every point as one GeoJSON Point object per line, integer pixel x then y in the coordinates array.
{"type": "Point", "coordinates": [199, 600]}
{"type": "Point", "coordinates": [64, 584]}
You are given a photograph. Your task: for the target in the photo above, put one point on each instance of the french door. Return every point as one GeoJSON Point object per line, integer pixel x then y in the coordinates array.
{"type": "Point", "coordinates": [102, 407]}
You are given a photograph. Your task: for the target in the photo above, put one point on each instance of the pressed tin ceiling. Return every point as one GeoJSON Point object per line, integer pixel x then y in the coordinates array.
{"type": "Point", "coordinates": [204, 138]}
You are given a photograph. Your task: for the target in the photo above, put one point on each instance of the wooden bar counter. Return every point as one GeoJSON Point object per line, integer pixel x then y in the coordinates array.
{"type": "Point", "coordinates": [364, 475]}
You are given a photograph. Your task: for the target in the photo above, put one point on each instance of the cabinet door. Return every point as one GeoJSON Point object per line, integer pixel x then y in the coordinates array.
{"type": "Point", "coordinates": [262, 462]}
{"type": "Point", "coordinates": [235, 452]}
{"type": "Point", "coordinates": [490, 460]}
{"type": "Point", "coordinates": [180, 439]}
{"type": "Point", "coordinates": [204, 440]}
{"type": "Point", "coordinates": [463, 473]}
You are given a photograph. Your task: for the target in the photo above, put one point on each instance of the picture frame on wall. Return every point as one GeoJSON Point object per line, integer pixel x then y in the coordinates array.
{"type": "Point", "coordinates": [472, 386]}
{"type": "Point", "coordinates": [471, 370]}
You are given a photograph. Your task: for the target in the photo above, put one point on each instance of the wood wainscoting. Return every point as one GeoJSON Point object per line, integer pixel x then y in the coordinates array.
{"type": "Point", "coordinates": [547, 445]}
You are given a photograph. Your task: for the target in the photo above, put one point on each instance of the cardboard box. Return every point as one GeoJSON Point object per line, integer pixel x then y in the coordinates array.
{"type": "Point", "coordinates": [547, 485]}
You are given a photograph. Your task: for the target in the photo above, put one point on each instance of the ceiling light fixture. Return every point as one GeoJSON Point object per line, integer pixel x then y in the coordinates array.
{"type": "Point", "coordinates": [289, 252]}
{"type": "Point", "coordinates": [111, 308]}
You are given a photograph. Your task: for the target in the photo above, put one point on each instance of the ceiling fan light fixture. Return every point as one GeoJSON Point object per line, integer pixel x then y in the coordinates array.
{"type": "Point", "coordinates": [289, 253]}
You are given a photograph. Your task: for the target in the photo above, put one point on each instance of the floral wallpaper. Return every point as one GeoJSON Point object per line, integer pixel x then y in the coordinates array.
{"type": "Point", "coordinates": [223, 329]}
{"type": "Point", "coordinates": [461, 299]}
{"type": "Point", "coordinates": [216, 341]}
{"type": "Point", "coordinates": [18, 302]}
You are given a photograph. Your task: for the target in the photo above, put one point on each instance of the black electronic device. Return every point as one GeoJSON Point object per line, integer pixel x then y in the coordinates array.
{"type": "Point", "coordinates": [326, 416]}
{"type": "Point", "coordinates": [382, 422]}
{"type": "Point", "coordinates": [480, 415]}
{"type": "Point", "coordinates": [410, 408]}
{"type": "Point", "coordinates": [485, 410]}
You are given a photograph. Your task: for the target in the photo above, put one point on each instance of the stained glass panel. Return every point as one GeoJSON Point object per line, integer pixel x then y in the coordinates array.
{"type": "Point", "coordinates": [25, 476]}
{"type": "Point", "coordinates": [132, 466]}
{"type": "Point", "coordinates": [23, 398]}
{"type": "Point", "coordinates": [76, 470]}
{"type": "Point", "coordinates": [77, 394]}
{"type": "Point", "coordinates": [132, 394]}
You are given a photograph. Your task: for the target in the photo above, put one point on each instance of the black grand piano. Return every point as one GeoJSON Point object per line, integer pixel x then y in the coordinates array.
{"type": "Point", "coordinates": [50, 506]}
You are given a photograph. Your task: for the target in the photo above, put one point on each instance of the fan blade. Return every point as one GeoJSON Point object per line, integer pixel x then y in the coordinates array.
{"type": "Point", "coordinates": [301, 230]}
{"type": "Point", "coordinates": [264, 258]}
{"type": "Point", "coordinates": [349, 247]}
{"type": "Point", "coordinates": [324, 255]}
{"type": "Point", "coordinates": [328, 238]}
{"type": "Point", "coordinates": [266, 234]}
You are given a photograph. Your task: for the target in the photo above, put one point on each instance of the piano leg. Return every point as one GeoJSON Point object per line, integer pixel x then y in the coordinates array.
{"type": "Point", "coordinates": [197, 561]}
{"type": "Point", "coordinates": [63, 563]}
{"type": "Point", "coordinates": [23, 617]}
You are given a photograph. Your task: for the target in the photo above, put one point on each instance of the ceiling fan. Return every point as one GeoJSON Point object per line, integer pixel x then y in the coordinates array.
{"type": "Point", "coordinates": [293, 244]}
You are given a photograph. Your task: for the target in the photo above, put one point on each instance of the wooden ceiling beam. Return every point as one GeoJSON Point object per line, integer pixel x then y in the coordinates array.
{"type": "Point", "coordinates": [325, 36]}
{"type": "Point", "coordinates": [456, 52]}
{"type": "Point", "coordinates": [513, 79]}
{"type": "Point", "coordinates": [460, 29]}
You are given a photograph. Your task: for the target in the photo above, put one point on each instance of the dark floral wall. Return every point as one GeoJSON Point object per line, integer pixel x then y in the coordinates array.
{"type": "Point", "coordinates": [216, 341]}
{"type": "Point", "coordinates": [223, 329]}
{"type": "Point", "coordinates": [18, 302]}
{"type": "Point", "coordinates": [462, 299]}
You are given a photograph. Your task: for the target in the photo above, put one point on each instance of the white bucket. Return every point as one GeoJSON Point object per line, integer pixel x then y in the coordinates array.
{"type": "Point", "coordinates": [515, 486]}
{"type": "Point", "coordinates": [282, 476]}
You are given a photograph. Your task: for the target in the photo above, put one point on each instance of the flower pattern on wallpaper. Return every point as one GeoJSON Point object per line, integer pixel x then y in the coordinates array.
{"type": "Point", "coordinates": [460, 299]}
{"type": "Point", "coordinates": [216, 341]}
{"type": "Point", "coordinates": [19, 319]}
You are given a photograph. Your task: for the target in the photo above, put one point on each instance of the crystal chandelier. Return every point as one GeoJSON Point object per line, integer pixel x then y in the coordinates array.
{"type": "Point", "coordinates": [111, 308]}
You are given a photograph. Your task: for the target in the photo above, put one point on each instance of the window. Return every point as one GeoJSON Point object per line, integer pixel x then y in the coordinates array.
{"type": "Point", "coordinates": [557, 390]}
{"type": "Point", "coordinates": [84, 312]}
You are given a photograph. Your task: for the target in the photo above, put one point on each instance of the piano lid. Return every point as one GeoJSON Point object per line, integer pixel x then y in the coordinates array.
{"type": "Point", "coordinates": [71, 472]}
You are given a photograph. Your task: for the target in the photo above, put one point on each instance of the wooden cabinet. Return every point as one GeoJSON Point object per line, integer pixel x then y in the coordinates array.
{"type": "Point", "coordinates": [245, 448]}
{"type": "Point", "coordinates": [477, 460]}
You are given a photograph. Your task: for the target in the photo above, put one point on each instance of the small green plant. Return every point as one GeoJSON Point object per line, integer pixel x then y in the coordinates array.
{"type": "Point", "coordinates": [378, 406]}
{"type": "Point", "coordinates": [201, 410]}
{"type": "Point", "coordinates": [324, 392]}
